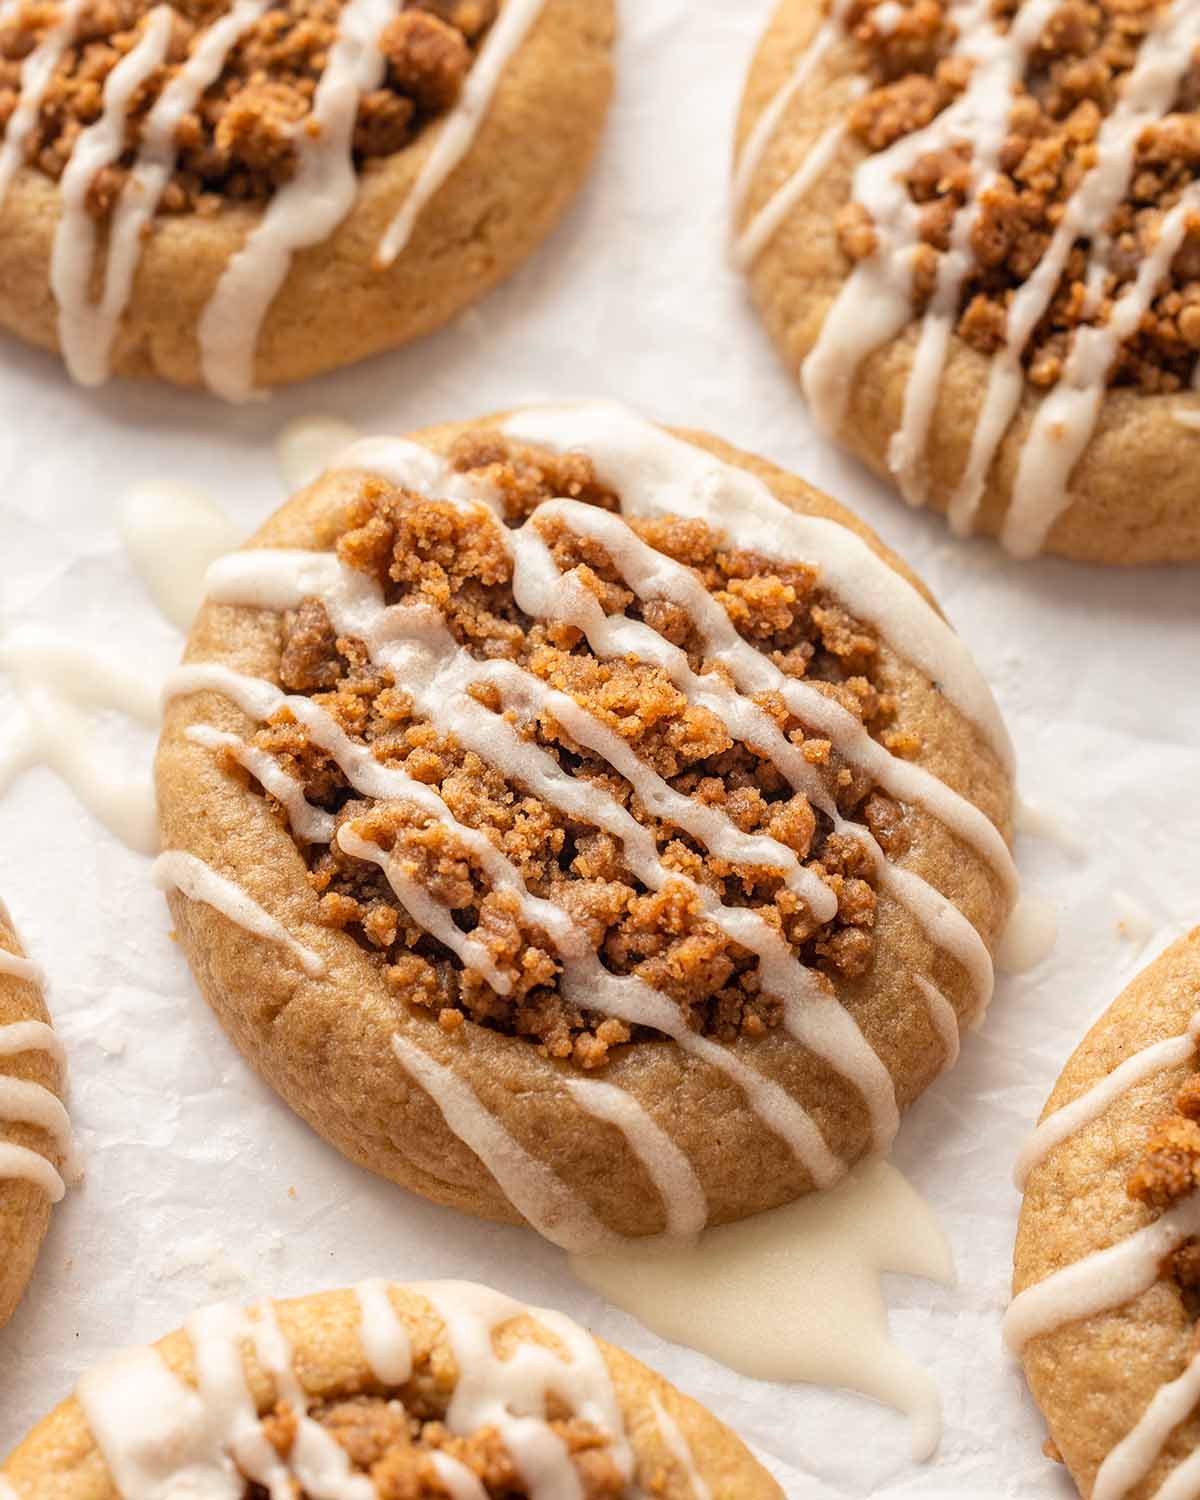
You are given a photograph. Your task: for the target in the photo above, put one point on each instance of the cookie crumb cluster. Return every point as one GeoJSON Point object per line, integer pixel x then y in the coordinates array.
{"type": "Point", "coordinates": [1170, 1170]}
{"type": "Point", "coordinates": [1072, 83]}
{"type": "Point", "coordinates": [393, 1443]}
{"type": "Point", "coordinates": [453, 559]}
{"type": "Point", "coordinates": [240, 143]}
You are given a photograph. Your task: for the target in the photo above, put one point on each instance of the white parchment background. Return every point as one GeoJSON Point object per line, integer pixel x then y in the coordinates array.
{"type": "Point", "coordinates": [200, 1185]}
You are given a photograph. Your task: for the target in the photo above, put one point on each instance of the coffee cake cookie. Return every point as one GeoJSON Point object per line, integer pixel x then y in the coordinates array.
{"type": "Point", "coordinates": [1107, 1264]}
{"type": "Point", "coordinates": [973, 229]}
{"type": "Point", "coordinates": [442, 1390]}
{"type": "Point", "coordinates": [35, 1133]}
{"type": "Point", "coordinates": [240, 193]}
{"type": "Point", "coordinates": [583, 824]}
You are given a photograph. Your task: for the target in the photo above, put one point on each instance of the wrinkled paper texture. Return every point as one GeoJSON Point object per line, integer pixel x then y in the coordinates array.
{"type": "Point", "coordinates": [200, 1184]}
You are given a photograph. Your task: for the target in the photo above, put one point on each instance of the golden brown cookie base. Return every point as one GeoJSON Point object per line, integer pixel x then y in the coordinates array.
{"type": "Point", "coordinates": [1094, 1378]}
{"type": "Point", "coordinates": [24, 1207]}
{"type": "Point", "coordinates": [526, 163]}
{"type": "Point", "coordinates": [1133, 497]}
{"type": "Point", "coordinates": [325, 1044]}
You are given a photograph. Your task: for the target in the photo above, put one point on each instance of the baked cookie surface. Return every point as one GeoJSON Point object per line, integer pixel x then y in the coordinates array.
{"type": "Point", "coordinates": [583, 824]}
{"type": "Point", "coordinates": [34, 1130]}
{"type": "Point", "coordinates": [1105, 1268]}
{"type": "Point", "coordinates": [439, 1389]}
{"type": "Point", "coordinates": [974, 233]}
{"type": "Point", "coordinates": [241, 193]}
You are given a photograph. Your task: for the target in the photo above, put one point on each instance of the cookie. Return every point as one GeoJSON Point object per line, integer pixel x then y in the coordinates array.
{"type": "Point", "coordinates": [973, 234]}
{"type": "Point", "coordinates": [442, 1388]}
{"type": "Point", "coordinates": [1107, 1263]}
{"type": "Point", "coordinates": [583, 824]}
{"type": "Point", "coordinates": [35, 1133]}
{"type": "Point", "coordinates": [241, 194]}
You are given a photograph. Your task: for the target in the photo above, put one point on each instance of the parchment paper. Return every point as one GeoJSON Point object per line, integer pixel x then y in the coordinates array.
{"type": "Point", "coordinates": [200, 1184]}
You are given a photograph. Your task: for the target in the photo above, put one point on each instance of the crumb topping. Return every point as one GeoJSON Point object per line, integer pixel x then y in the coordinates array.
{"type": "Point", "coordinates": [396, 1445]}
{"type": "Point", "coordinates": [240, 142]}
{"type": "Point", "coordinates": [1073, 81]}
{"type": "Point", "coordinates": [452, 558]}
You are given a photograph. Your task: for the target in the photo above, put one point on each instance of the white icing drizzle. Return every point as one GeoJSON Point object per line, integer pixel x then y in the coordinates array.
{"type": "Point", "coordinates": [1149, 91]}
{"type": "Point", "coordinates": [55, 681]}
{"type": "Point", "coordinates": [875, 303]}
{"type": "Point", "coordinates": [1067, 416]}
{"type": "Point", "coordinates": [535, 1191]}
{"type": "Point", "coordinates": [680, 1449]}
{"type": "Point", "coordinates": [30, 1036]}
{"type": "Point", "coordinates": [794, 1294]}
{"type": "Point", "coordinates": [302, 213]}
{"type": "Point", "coordinates": [943, 1016]}
{"type": "Point", "coordinates": [1092, 1103]}
{"type": "Point", "coordinates": [19, 1162]}
{"type": "Point", "coordinates": [312, 824]}
{"type": "Point", "coordinates": [172, 533]}
{"type": "Point", "coordinates": [458, 1480]}
{"type": "Point", "coordinates": [160, 1436]}
{"type": "Point", "coordinates": [656, 473]}
{"type": "Point", "coordinates": [1102, 1280]}
{"type": "Point", "coordinates": [1129, 1462]}
{"type": "Point", "coordinates": [760, 137]}
{"type": "Point", "coordinates": [458, 130]}
{"type": "Point", "coordinates": [385, 1339]}
{"type": "Point", "coordinates": [87, 330]}
{"type": "Point", "coordinates": [1029, 935]}
{"type": "Point", "coordinates": [16, 966]}
{"type": "Point", "coordinates": [36, 73]}
{"type": "Point", "coordinates": [27, 1103]}
{"type": "Point", "coordinates": [199, 882]}
{"type": "Point", "coordinates": [81, 330]}
{"type": "Point", "coordinates": [765, 224]}
{"type": "Point", "coordinates": [307, 446]}
{"type": "Point", "coordinates": [666, 1165]}
{"type": "Point", "coordinates": [652, 471]}
{"type": "Point", "coordinates": [510, 1394]}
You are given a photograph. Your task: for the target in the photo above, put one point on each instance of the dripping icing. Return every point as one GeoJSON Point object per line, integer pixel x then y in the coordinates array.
{"type": "Point", "coordinates": [794, 1294]}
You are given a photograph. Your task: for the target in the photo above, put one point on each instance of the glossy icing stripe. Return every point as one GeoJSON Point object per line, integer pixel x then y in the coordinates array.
{"type": "Point", "coordinates": [17, 966]}
{"type": "Point", "coordinates": [765, 127]}
{"type": "Point", "coordinates": [86, 329]}
{"type": "Point", "coordinates": [554, 1210]}
{"type": "Point", "coordinates": [31, 1036]}
{"type": "Point", "coordinates": [656, 473]}
{"type": "Point", "coordinates": [668, 1167]}
{"type": "Point", "coordinates": [76, 237]}
{"type": "Point", "coordinates": [1103, 1280]}
{"type": "Point", "coordinates": [302, 213]}
{"type": "Point", "coordinates": [385, 1339]}
{"type": "Point", "coordinates": [199, 882]}
{"type": "Point", "coordinates": [680, 1448]}
{"type": "Point", "coordinates": [1129, 1462]}
{"type": "Point", "coordinates": [307, 822]}
{"type": "Point", "coordinates": [36, 72]}
{"type": "Point", "coordinates": [506, 1393]}
{"type": "Point", "coordinates": [943, 1016]}
{"type": "Point", "coordinates": [1092, 1103]}
{"type": "Point", "coordinates": [766, 223]}
{"type": "Point", "coordinates": [457, 132]}
{"type": "Point", "coordinates": [19, 1162]}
